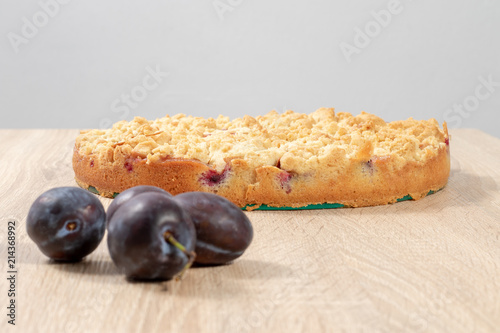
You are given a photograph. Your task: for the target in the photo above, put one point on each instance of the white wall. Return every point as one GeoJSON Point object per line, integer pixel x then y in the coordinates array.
{"type": "Point", "coordinates": [241, 57]}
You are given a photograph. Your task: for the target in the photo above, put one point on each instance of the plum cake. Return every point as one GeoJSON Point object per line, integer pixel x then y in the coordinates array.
{"type": "Point", "coordinates": [276, 160]}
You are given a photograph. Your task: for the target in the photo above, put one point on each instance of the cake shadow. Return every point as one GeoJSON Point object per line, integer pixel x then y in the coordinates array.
{"type": "Point", "coordinates": [463, 189]}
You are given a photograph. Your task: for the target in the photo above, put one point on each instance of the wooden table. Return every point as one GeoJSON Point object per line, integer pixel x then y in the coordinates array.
{"type": "Point", "coordinates": [417, 266]}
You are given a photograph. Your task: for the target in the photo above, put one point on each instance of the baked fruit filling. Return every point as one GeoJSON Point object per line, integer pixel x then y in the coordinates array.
{"type": "Point", "coordinates": [281, 160]}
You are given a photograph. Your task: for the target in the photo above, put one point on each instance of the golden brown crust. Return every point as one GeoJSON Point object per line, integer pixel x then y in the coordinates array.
{"type": "Point", "coordinates": [288, 160]}
{"type": "Point", "coordinates": [380, 187]}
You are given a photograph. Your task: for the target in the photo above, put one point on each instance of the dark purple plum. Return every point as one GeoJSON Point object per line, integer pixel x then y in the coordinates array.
{"type": "Point", "coordinates": [223, 231]}
{"type": "Point", "coordinates": [67, 223]}
{"type": "Point", "coordinates": [125, 196]}
{"type": "Point", "coordinates": [151, 237]}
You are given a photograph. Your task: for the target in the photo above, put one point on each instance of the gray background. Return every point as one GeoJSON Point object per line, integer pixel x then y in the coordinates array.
{"type": "Point", "coordinates": [83, 58]}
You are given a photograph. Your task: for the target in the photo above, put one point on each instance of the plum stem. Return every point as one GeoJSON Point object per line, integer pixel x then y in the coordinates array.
{"type": "Point", "coordinates": [191, 255]}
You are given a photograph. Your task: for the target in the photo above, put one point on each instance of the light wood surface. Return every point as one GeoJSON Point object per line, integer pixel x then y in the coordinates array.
{"type": "Point", "coordinates": [418, 266]}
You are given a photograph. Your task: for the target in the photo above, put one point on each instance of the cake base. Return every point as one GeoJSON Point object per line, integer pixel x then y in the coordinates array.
{"type": "Point", "coordinates": [264, 207]}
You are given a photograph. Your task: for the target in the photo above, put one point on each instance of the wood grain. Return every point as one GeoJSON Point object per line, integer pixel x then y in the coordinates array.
{"type": "Point", "coordinates": [420, 266]}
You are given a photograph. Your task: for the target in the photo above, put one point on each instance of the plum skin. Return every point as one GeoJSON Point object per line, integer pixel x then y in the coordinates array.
{"type": "Point", "coordinates": [66, 223]}
{"type": "Point", "coordinates": [125, 196]}
{"type": "Point", "coordinates": [136, 237]}
{"type": "Point", "coordinates": [223, 231]}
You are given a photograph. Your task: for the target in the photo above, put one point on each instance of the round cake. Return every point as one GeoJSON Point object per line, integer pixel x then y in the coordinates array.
{"type": "Point", "coordinates": [278, 160]}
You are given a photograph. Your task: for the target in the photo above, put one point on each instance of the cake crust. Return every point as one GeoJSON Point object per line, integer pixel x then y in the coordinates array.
{"type": "Point", "coordinates": [287, 160]}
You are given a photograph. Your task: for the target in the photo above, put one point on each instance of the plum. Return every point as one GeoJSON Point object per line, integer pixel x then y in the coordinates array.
{"type": "Point", "coordinates": [223, 231]}
{"type": "Point", "coordinates": [151, 237]}
{"type": "Point", "coordinates": [67, 223]}
{"type": "Point", "coordinates": [125, 196]}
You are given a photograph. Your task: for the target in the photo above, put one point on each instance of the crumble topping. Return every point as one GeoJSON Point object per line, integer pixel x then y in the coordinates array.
{"type": "Point", "coordinates": [297, 142]}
